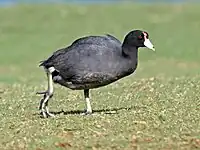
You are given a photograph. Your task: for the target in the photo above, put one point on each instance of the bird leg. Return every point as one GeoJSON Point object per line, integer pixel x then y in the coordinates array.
{"type": "Point", "coordinates": [47, 95]}
{"type": "Point", "coordinates": [87, 100]}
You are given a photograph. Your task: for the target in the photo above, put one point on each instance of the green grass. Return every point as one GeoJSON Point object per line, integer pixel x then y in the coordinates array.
{"type": "Point", "coordinates": [156, 108]}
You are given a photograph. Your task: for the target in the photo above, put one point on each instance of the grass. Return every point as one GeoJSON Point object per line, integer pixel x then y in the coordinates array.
{"type": "Point", "coordinates": [156, 108]}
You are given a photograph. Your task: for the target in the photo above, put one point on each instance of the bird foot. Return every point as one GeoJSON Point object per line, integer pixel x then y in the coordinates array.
{"type": "Point", "coordinates": [42, 93]}
{"type": "Point", "coordinates": [87, 112]}
{"type": "Point", "coordinates": [43, 105]}
{"type": "Point", "coordinates": [46, 114]}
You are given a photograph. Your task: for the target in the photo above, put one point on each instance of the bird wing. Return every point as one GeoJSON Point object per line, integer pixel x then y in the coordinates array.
{"type": "Point", "coordinates": [86, 60]}
{"type": "Point", "coordinates": [84, 57]}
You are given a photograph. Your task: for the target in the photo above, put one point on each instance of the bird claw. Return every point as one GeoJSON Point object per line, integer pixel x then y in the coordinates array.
{"type": "Point", "coordinates": [42, 93]}
{"type": "Point", "coordinates": [43, 107]}
{"type": "Point", "coordinates": [51, 115]}
{"type": "Point", "coordinates": [46, 114]}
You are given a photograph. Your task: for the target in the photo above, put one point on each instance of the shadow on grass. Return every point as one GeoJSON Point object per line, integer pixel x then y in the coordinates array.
{"type": "Point", "coordinates": [104, 111]}
{"type": "Point", "coordinates": [111, 111]}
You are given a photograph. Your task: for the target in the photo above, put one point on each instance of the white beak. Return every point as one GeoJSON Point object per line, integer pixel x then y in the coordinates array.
{"type": "Point", "coordinates": [148, 44]}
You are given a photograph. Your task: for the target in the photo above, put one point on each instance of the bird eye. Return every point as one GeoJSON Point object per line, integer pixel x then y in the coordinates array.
{"type": "Point", "coordinates": [139, 37]}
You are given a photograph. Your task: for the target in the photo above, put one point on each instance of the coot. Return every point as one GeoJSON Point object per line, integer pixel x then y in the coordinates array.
{"type": "Point", "coordinates": [91, 62]}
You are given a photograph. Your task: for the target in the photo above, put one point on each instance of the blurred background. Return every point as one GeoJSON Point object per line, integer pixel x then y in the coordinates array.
{"type": "Point", "coordinates": [30, 30]}
{"type": "Point", "coordinates": [90, 1]}
{"type": "Point", "coordinates": [156, 108]}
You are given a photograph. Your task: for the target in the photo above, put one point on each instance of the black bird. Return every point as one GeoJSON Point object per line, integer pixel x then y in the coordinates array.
{"type": "Point", "coordinates": [91, 62]}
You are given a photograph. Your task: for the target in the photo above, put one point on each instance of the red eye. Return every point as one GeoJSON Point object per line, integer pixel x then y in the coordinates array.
{"type": "Point", "coordinates": [140, 37]}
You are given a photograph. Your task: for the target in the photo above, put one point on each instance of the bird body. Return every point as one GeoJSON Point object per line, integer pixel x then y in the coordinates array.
{"type": "Point", "coordinates": [89, 65]}
{"type": "Point", "coordinates": [95, 61]}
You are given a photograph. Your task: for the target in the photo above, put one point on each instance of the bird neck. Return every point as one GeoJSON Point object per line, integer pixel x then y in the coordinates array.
{"type": "Point", "coordinates": [130, 55]}
{"type": "Point", "coordinates": [130, 52]}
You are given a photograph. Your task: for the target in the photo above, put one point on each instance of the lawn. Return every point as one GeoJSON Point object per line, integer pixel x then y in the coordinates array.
{"type": "Point", "coordinates": [157, 108]}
